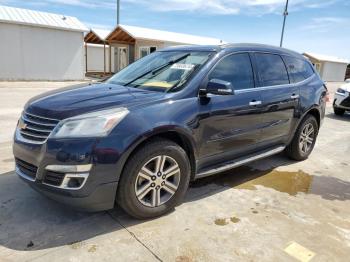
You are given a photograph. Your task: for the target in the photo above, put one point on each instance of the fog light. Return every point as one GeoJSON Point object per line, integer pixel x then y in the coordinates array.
{"type": "Point", "coordinates": [71, 181]}
{"type": "Point", "coordinates": [74, 181]}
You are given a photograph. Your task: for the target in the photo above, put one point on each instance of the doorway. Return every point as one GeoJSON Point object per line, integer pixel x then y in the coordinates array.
{"type": "Point", "coordinates": [121, 58]}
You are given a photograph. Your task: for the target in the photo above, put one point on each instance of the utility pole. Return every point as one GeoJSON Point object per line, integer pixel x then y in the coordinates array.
{"type": "Point", "coordinates": [118, 12]}
{"type": "Point", "coordinates": [284, 22]}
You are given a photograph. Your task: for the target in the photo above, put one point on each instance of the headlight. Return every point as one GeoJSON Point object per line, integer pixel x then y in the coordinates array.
{"type": "Point", "coordinates": [95, 124]}
{"type": "Point", "coordinates": [341, 91]}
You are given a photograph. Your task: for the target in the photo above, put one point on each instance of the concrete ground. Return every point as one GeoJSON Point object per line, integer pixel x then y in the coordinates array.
{"type": "Point", "coordinates": [272, 210]}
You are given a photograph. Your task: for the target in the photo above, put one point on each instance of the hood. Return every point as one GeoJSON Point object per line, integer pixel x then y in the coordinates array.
{"type": "Point", "coordinates": [80, 99]}
{"type": "Point", "coordinates": [346, 87]}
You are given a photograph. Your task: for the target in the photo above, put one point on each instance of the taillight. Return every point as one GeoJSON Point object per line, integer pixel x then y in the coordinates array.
{"type": "Point", "coordinates": [327, 97]}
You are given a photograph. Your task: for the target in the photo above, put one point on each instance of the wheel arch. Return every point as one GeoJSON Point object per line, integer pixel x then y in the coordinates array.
{"type": "Point", "coordinates": [314, 111]}
{"type": "Point", "coordinates": [176, 134]}
{"type": "Point", "coordinates": [292, 148]}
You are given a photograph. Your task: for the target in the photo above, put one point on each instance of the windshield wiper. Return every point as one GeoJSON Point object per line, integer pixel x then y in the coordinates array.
{"type": "Point", "coordinates": [158, 69]}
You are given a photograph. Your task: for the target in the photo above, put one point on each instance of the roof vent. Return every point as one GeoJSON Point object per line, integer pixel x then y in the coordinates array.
{"type": "Point", "coordinates": [64, 18]}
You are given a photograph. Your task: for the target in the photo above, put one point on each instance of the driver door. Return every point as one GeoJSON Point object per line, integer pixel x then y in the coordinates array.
{"type": "Point", "coordinates": [233, 126]}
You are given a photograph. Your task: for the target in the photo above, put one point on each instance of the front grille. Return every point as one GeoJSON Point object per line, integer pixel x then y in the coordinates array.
{"type": "Point", "coordinates": [28, 169]}
{"type": "Point", "coordinates": [36, 128]}
{"type": "Point", "coordinates": [53, 178]}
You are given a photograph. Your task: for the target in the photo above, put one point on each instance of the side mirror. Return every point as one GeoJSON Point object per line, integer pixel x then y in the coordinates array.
{"type": "Point", "coordinates": [219, 87]}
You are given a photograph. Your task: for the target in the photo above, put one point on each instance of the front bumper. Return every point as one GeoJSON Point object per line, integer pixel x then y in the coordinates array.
{"type": "Point", "coordinates": [342, 100]}
{"type": "Point", "coordinates": [98, 190]}
{"type": "Point", "coordinates": [102, 198]}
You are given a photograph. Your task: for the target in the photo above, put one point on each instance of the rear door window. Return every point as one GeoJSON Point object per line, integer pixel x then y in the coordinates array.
{"type": "Point", "coordinates": [236, 69]}
{"type": "Point", "coordinates": [272, 70]}
{"type": "Point", "coordinates": [298, 69]}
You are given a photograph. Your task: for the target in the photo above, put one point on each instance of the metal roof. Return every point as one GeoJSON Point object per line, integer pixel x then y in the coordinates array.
{"type": "Point", "coordinates": [327, 58]}
{"type": "Point", "coordinates": [13, 15]}
{"type": "Point", "coordinates": [165, 36]}
{"type": "Point", "coordinates": [101, 33]}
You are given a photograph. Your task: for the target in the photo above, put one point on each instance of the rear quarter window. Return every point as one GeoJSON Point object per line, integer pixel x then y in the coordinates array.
{"type": "Point", "coordinates": [298, 69]}
{"type": "Point", "coordinates": [272, 70]}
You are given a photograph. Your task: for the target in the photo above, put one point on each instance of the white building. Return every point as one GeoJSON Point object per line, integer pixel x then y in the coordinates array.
{"type": "Point", "coordinates": [130, 43]}
{"type": "Point", "coordinates": [330, 68]}
{"type": "Point", "coordinates": [40, 46]}
{"type": "Point", "coordinates": [96, 52]}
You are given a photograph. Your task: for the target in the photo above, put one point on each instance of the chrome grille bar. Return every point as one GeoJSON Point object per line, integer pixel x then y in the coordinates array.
{"type": "Point", "coordinates": [41, 117]}
{"type": "Point", "coordinates": [32, 135]}
{"type": "Point", "coordinates": [36, 128]}
{"type": "Point", "coordinates": [36, 122]}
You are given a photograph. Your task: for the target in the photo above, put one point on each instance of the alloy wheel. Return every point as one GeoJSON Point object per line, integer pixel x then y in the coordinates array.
{"type": "Point", "coordinates": [307, 137]}
{"type": "Point", "coordinates": [157, 181]}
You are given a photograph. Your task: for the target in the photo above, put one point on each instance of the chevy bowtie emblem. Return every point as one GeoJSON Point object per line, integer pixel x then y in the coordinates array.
{"type": "Point", "coordinates": [22, 125]}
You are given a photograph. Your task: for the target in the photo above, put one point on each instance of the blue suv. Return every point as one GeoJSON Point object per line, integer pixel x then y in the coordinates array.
{"type": "Point", "coordinates": [176, 115]}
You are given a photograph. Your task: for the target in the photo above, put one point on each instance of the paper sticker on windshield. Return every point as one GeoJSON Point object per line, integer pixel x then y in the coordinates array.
{"type": "Point", "coordinates": [182, 66]}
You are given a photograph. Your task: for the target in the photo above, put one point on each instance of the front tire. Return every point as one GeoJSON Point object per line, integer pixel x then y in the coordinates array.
{"type": "Point", "coordinates": [338, 111]}
{"type": "Point", "coordinates": [155, 179]}
{"type": "Point", "coordinates": [304, 139]}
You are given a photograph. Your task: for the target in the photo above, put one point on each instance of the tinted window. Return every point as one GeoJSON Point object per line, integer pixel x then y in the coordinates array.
{"type": "Point", "coordinates": [236, 69]}
{"type": "Point", "coordinates": [298, 69]}
{"type": "Point", "coordinates": [272, 70]}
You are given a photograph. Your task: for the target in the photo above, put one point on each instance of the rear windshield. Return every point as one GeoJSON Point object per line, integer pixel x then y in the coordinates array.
{"type": "Point", "coordinates": [161, 71]}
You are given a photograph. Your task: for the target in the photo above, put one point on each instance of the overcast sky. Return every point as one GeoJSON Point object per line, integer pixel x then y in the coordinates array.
{"type": "Point", "coordinates": [319, 26]}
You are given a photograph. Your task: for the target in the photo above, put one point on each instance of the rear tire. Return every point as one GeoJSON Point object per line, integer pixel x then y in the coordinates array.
{"type": "Point", "coordinates": [338, 111]}
{"type": "Point", "coordinates": [304, 139]}
{"type": "Point", "coordinates": [154, 180]}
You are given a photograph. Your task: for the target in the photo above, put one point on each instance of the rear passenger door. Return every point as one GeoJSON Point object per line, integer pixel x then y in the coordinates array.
{"type": "Point", "coordinates": [280, 99]}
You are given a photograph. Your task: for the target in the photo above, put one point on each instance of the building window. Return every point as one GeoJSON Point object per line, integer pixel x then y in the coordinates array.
{"type": "Point", "coordinates": [146, 50]}
{"type": "Point", "coordinates": [318, 67]}
{"type": "Point", "coordinates": [152, 49]}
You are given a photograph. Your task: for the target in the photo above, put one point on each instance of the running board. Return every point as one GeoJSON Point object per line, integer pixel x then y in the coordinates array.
{"type": "Point", "coordinates": [240, 161]}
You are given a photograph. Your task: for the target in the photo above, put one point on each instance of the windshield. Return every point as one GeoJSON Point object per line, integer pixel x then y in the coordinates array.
{"type": "Point", "coordinates": [161, 71]}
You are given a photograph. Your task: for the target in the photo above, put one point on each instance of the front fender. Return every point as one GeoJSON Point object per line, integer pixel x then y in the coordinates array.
{"type": "Point", "coordinates": [162, 130]}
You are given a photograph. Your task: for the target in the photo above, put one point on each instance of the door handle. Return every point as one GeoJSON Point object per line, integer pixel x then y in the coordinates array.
{"type": "Point", "coordinates": [294, 96]}
{"type": "Point", "coordinates": [254, 103]}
